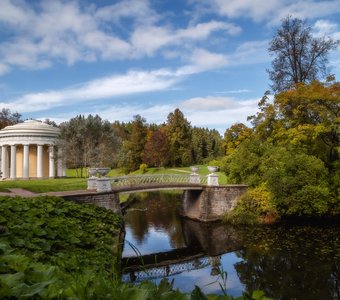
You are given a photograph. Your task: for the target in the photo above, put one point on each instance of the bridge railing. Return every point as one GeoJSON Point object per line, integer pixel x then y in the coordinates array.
{"type": "Point", "coordinates": [164, 271]}
{"type": "Point", "coordinates": [157, 179]}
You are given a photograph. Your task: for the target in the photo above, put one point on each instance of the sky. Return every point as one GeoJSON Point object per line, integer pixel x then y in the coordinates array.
{"type": "Point", "coordinates": [117, 59]}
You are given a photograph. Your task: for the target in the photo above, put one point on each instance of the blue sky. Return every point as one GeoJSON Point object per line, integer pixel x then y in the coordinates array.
{"type": "Point", "coordinates": [117, 59]}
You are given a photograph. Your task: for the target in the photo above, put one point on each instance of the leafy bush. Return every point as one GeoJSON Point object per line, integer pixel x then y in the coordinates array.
{"type": "Point", "coordinates": [254, 207]}
{"type": "Point", "coordinates": [298, 183]}
{"type": "Point", "coordinates": [143, 168]}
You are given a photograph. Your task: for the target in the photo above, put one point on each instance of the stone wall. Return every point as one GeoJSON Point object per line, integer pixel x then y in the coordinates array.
{"type": "Point", "coordinates": [212, 203]}
{"type": "Point", "coordinates": [106, 200]}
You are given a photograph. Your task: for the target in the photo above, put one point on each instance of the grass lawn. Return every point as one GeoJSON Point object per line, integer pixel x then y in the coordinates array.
{"type": "Point", "coordinates": [73, 183]}
{"type": "Point", "coordinates": [45, 185]}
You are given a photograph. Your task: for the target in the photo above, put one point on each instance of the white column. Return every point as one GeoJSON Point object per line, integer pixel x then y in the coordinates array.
{"type": "Point", "coordinates": [4, 161]}
{"type": "Point", "coordinates": [13, 167]}
{"type": "Point", "coordinates": [51, 162]}
{"type": "Point", "coordinates": [26, 172]}
{"type": "Point", "coordinates": [40, 161]}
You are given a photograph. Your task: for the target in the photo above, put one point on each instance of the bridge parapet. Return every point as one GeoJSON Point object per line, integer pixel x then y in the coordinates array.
{"type": "Point", "coordinates": [158, 179]}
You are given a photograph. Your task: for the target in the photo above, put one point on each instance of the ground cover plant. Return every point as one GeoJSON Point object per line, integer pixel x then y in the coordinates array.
{"type": "Point", "coordinates": [47, 242]}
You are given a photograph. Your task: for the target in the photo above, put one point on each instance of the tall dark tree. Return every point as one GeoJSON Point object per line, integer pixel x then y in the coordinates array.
{"type": "Point", "coordinates": [178, 129]}
{"type": "Point", "coordinates": [133, 147]}
{"type": "Point", "coordinates": [298, 56]}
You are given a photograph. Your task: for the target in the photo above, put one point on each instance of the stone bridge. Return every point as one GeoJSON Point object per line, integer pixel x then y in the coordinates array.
{"type": "Point", "coordinates": [203, 199]}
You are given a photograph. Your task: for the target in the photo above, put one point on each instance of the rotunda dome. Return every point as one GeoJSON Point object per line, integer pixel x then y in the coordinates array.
{"type": "Point", "coordinates": [28, 131]}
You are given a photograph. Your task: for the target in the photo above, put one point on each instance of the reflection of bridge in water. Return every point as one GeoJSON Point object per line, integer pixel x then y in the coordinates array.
{"type": "Point", "coordinates": [205, 242]}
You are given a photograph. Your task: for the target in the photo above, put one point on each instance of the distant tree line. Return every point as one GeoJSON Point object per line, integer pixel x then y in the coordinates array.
{"type": "Point", "coordinates": [92, 142]}
{"type": "Point", "coordinates": [173, 143]}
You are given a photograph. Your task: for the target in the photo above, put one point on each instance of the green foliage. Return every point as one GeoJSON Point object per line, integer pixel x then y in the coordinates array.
{"type": "Point", "coordinates": [298, 182]}
{"type": "Point", "coordinates": [244, 165]}
{"type": "Point", "coordinates": [254, 207]}
{"type": "Point", "coordinates": [294, 148]}
{"type": "Point", "coordinates": [179, 134]}
{"type": "Point", "coordinates": [234, 136]}
{"type": "Point", "coordinates": [143, 168]}
{"type": "Point", "coordinates": [50, 246]}
{"type": "Point", "coordinates": [206, 145]}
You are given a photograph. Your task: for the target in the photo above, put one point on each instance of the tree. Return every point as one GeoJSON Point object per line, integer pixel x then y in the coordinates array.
{"type": "Point", "coordinates": [179, 133]}
{"type": "Point", "coordinates": [8, 118]}
{"type": "Point", "coordinates": [309, 117]}
{"type": "Point", "coordinates": [88, 142]}
{"type": "Point", "coordinates": [156, 150]}
{"type": "Point", "coordinates": [298, 56]}
{"type": "Point", "coordinates": [133, 147]}
{"type": "Point", "coordinates": [298, 182]}
{"type": "Point", "coordinates": [235, 135]}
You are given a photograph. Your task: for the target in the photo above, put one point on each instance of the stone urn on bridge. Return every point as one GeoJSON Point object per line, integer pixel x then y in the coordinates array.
{"type": "Point", "coordinates": [213, 177]}
{"type": "Point", "coordinates": [97, 180]}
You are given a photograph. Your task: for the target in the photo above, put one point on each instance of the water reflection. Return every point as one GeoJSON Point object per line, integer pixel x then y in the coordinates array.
{"type": "Point", "coordinates": [161, 216]}
{"type": "Point", "coordinates": [286, 261]}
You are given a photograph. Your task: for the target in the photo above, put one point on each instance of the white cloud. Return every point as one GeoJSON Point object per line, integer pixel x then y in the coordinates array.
{"type": "Point", "coordinates": [306, 9]}
{"type": "Point", "coordinates": [326, 28]}
{"type": "Point", "coordinates": [3, 69]}
{"type": "Point", "coordinates": [224, 113]}
{"type": "Point", "coordinates": [240, 91]}
{"type": "Point", "coordinates": [255, 9]}
{"type": "Point", "coordinates": [251, 52]}
{"type": "Point", "coordinates": [210, 103]}
{"type": "Point", "coordinates": [206, 60]}
{"type": "Point", "coordinates": [148, 40]}
{"type": "Point", "coordinates": [60, 31]}
{"type": "Point", "coordinates": [12, 14]}
{"type": "Point", "coordinates": [102, 88]}
{"type": "Point", "coordinates": [272, 11]}
{"type": "Point", "coordinates": [135, 10]}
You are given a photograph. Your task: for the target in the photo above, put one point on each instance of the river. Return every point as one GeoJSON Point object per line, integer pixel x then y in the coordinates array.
{"type": "Point", "coordinates": [286, 261]}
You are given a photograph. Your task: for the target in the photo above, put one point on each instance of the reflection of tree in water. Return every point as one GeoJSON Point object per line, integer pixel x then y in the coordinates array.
{"type": "Point", "coordinates": [296, 262]}
{"type": "Point", "coordinates": [138, 223]}
{"type": "Point", "coordinates": [162, 210]}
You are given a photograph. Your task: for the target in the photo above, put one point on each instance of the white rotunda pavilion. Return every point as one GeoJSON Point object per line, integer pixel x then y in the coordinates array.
{"type": "Point", "coordinates": [28, 151]}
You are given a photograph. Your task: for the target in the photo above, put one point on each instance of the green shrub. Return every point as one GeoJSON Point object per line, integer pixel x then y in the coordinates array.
{"type": "Point", "coordinates": [143, 168]}
{"type": "Point", "coordinates": [253, 207]}
{"type": "Point", "coordinates": [298, 183]}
